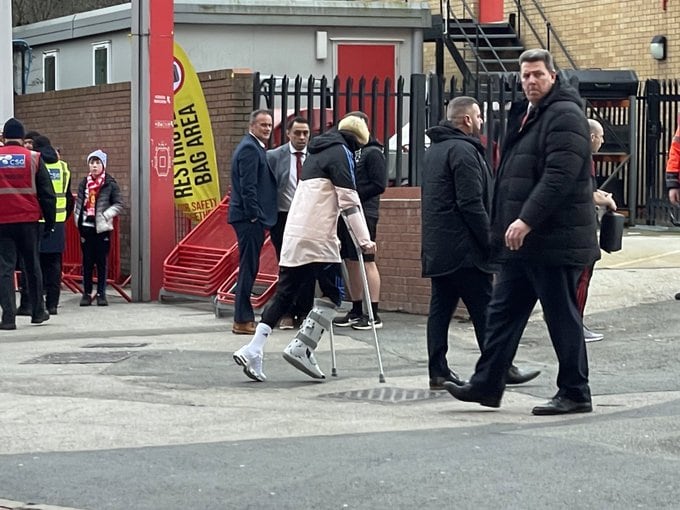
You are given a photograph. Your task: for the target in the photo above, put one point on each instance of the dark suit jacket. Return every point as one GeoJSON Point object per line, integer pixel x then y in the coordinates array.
{"type": "Point", "coordinates": [279, 161]}
{"type": "Point", "coordinates": [253, 185]}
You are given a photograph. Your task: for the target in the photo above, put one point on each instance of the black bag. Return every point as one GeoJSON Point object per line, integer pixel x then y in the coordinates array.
{"type": "Point", "coordinates": [611, 231]}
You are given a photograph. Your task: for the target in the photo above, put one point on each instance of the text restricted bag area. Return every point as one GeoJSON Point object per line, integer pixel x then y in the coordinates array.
{"type": "Point", "coordinates": [611, 231]}
{"type": "Point", "coordinates": [196, 182]}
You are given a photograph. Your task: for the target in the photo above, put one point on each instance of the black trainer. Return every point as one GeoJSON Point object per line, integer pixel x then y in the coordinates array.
{"type": "Point", "coordinates": [365, 323]}
{"type": "Point", "coordinates": [347, 320]}
{"type": "Point", "coordinates": [86, 300]}
{"type": "Point", "coordinates": [101, 300]}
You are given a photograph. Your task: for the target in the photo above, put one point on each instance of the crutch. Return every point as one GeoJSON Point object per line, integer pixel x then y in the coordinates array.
{"type": "Point", "coordinates": [367, 296]}
{"type": "Point", "coordinates": [334, 368]}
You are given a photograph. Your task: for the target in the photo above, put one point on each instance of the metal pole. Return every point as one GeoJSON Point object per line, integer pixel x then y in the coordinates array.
{"type": "Point", "coordinates": [139, 153]}
{"type": "Point", "coordinates": [6, 92]}
{"type": "Point", "coordinates": [632, 165]}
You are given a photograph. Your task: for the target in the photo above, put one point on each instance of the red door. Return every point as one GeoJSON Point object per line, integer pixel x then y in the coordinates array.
{"type": "Point", "coordinates": [368, 61]}
{"type": "Point", "coordinates": [490, 11]}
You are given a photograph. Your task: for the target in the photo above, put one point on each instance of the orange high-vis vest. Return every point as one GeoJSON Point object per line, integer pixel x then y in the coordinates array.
{"type": "Point", "coordinates": [18, 195]}
{"type": "Point", "coordinates": [673, 165]}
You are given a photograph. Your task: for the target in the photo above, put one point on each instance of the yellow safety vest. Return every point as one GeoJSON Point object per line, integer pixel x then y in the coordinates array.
{"type": "Point", "coordinates": [60, 175]}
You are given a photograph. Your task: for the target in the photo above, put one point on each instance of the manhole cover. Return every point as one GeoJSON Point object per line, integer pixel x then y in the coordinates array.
{"type": "Point", "coordinates": [63, 358]}
{"type": "Point", "coordinates": [122, 345]}
{"type": "Point", "coordinates": [387, 395]}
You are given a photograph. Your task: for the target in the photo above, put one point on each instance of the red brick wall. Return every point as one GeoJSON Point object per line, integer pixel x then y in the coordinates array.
{"type": "Point", "coordinates": [78, 121]}
{"type": "Point", "coordinates": [398, 258]}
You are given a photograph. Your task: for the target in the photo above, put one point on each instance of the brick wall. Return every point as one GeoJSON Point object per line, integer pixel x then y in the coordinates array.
{"type": "Point", "coordinates": [398, 255]}
{"type": "Point", "coordinates": [80, 120]}
{"type": "Point", "coordinates": [610, 35]}
{"type": "Point", "coordinates": [613, 35]}
{"type": "Point", "coordinates": [597, 33]}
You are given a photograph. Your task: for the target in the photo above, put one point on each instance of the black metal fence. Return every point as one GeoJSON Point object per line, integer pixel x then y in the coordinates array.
{"type": "Point", "coordinates": [401, 112]}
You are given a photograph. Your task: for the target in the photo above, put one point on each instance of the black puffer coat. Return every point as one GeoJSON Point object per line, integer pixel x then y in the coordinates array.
{"type": "Point", "coordinates": [456, 197]}
{"type": "Point", "coordinates": [544, 179]}
{"type": "Point", "coordinates": [371, 175]}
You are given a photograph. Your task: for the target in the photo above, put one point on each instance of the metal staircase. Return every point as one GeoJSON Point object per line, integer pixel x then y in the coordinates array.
{"type": "Point", "coordinates": [479, 50]}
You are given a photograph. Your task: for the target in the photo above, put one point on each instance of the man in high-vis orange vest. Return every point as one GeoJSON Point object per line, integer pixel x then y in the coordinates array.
{"type": "Point", "coordinates": [26, 196]}
{"type": "Point", "coordinates": [673, 174]}
{"type": "Point", "coordinates": [672, 169]}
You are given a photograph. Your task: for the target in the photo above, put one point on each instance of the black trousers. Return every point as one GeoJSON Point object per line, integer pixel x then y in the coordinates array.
{"type": "Point", "coordinates": [22, 239]}
{"type": "Point", "coordinates": [293, 280]}
{"type": "Point", "coordinates": [50, 265]}
{"type": "Point", "coordinates": [95, 248]}
{"type": "Point", "coordinates": [302, 304]}
{"type": "Point", "coordinates": [474, 288]}
{"type": "Point", "coordinates": [276, 232]}
{"type": "Point", "coordinates": [519, 285]}
{"type": "Point", "coordinates": [250, 237]}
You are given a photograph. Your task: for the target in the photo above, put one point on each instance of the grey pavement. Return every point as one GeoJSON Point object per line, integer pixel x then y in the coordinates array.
{"type": "Point", "coordinates": [140, 406]}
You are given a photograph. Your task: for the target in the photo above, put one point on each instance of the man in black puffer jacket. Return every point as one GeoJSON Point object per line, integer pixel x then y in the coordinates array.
{"type": "Point", "coordinates": [456, 198]}
{"type": "Point", "coordinates": [543, 232]}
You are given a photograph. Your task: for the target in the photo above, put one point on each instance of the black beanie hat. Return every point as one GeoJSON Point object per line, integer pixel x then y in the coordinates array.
{"type": "Point", "coordinates": [40, 142]}
{"type": "Point", "coordinates": [31, 135]}
{"type": "Point", "coordinates": [13, 129]}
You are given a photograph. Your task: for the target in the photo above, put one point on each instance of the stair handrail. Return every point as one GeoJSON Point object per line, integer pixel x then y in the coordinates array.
{"type": "Point", "coordinates": [549, 30]}
{"type": "Point", "coordinates": [478, 30]}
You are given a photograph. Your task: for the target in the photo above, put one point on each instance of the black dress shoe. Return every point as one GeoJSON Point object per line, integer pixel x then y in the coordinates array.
{"type": "Point", "coordinates": [518, 376]}
{"type": "Point", "coordinates": [8, 325]}
{"type": "Point", "coordinates": [562, 405]}
{"type": "Point", "coordinates": [40, 318]}
{"type": "Point", "coordinates": [437, 383]}
{"type": "Point", "coordinates": [24, 311]}
{"type": "Point", "coordinates": [468, 393]}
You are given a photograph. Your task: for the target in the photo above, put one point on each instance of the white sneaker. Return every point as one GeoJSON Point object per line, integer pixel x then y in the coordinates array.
{"type": "Point", "coordinates": [302, 357]}
{"type": "Point", "coordinates": [251, 363]}
{"type": "Point", "coordinates": [591, 336]}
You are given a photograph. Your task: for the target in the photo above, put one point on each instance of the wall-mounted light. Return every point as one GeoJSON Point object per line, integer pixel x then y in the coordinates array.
{"type": "Point", "coordinates": [321, 45]}
{"type": "Point", "coordinates": [658, 47]}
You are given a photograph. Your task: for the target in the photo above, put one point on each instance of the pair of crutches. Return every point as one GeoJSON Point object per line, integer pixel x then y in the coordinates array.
{"type": "Point", "coordinates": [367, 302]}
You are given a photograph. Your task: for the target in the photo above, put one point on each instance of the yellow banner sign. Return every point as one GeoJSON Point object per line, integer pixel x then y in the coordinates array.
{"type": "Point", "coordinates": [196, 181]}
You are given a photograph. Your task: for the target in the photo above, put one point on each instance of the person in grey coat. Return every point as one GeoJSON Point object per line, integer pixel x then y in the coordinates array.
{"type": "Point", "coordinates": [98, 202]}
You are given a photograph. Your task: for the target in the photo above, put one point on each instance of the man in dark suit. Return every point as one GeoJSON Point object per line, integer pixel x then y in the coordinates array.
{"type": "Point", "coordinates": [286, 162]}
{"type": "Point", "coordinates": [543, 232]}
{"type": "Point", "coordinates": [252, 210]}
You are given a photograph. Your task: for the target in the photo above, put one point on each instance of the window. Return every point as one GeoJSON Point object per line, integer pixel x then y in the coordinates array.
{"type": "Point", "coordinates": [101, 63]}
{"type": "Point", "coordinates": [50, 70]}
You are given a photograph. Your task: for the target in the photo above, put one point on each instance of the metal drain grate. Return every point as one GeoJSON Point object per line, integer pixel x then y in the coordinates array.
{"type": "Point", "coordinates": [64, 358]}
{"type": "Point", "coordinates": [388, 395]}
{"type": "Point", "coordinates": [122, 345]}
